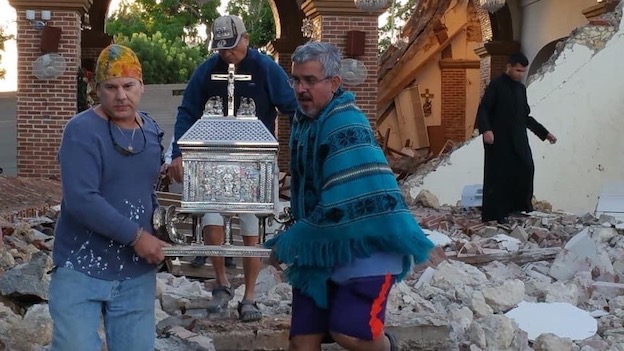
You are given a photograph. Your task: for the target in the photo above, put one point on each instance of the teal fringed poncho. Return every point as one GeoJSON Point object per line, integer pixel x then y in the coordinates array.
{"type": "Point", "coordinates": [345, 200]}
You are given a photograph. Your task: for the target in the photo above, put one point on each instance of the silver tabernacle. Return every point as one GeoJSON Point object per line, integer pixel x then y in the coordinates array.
{"type": "Point", "coordinates": [230, 167]}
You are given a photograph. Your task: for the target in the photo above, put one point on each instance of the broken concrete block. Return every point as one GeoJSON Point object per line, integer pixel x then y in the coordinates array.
{"type": "Point", "coordinates": [34, 329]}
{"type": "Point", "coordinates": [489, 231]}
{"type": "Point", "coordinates": [578, 255]}
{"type": "Point", "coordinates": [607, 220]}
{"type": "Point", "coordinates": [504, 297]}
{"type": "Point", "coordinates": [588, 219]}
{"type": "Point", "coordinates": [267, 279]}
{"type": "Point", "coordinates": [506, 242]}
{"type": "Point", "coordinates": [560, 292]}
{"type": "Point", "coordinates": [28, 281]}
{"type": "Point", "coordinates": [538, 235]}
{"type": "Point", "coordinates": [476, 335]}
{"type": "Point", "coordinates": [533, 271]}
{"type": "Point", "coordinates": [551, 342]}
{"type": "Point", "coordinates": [425, 278]}
{"type": "Point", "coordinates": [499, 331]}
{"type": "Point", "coordinates": [478, 305]}
{"type": "Point", "coordinates": [603, 235]}
{"type": "Point", "coordinates": [519, 233]}
{"type": "Point", "coordinates": [427, 199]}
{"type": "Point", "coordinates": [569, 220]}
{"type": "Point", "coordinates": [452, 273]}
{"type": "Point", "coordinates": [460, 320]}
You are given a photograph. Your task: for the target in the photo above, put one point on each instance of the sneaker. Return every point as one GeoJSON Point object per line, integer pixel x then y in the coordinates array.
{"type": "Point", "coordinates": [198, 261]}
{"type": "Point", "coordinates": [221, 295]}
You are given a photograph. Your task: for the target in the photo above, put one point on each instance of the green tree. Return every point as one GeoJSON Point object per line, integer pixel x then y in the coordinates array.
{"type": "Point", "coordinates": [3, 37]}
{"type": "Point", "coordinates": [164, 61]}
{"type": "Point", "coordinates": [258, 18]}
{"type": "Point", "coordinates": [174, 19]}
{"type": "Point", "coordinates": [398, 14]}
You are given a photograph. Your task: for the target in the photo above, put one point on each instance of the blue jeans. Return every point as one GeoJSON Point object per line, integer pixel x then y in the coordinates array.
{"type": "Point", "coordinates": [78, 302]}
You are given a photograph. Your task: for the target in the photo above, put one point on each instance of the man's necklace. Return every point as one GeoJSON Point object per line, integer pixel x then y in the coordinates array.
{"type": "Point", "coordinates": [130, 148]}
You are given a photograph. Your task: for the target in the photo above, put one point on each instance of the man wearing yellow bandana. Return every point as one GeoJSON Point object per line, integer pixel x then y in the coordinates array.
{"type": "Point", "coordinates": [104, 253]}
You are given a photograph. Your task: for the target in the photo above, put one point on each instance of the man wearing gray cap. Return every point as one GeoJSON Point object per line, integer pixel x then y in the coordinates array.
{"type": "Point", "coordinates": [269, 90]}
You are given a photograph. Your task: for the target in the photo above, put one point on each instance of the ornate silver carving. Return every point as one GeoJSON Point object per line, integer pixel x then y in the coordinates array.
{"type": "Point", "coordinates": [213, 250]}
{"type": "Point", "coordinates": [214, 107]}
{"type": "Point", "coordinates": [229, 186]}
{"type": "Point", "coordinates": [247, 108]}
{"type": "Point", "coordinates": [230, 167]}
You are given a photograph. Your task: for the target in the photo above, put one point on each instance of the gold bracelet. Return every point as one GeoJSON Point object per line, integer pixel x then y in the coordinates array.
{"type": "Point", "coordinates": [137, 236]}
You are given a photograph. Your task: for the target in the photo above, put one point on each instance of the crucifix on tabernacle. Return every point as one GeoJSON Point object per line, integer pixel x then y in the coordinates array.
{"type": "Point", "coordinates": [231, 77]}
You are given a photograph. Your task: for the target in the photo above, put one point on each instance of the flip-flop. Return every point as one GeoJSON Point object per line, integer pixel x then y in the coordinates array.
{"type": "Point", "coordinates": [248, 311]}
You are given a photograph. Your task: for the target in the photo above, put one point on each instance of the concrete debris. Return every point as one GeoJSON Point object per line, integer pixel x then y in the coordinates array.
{"type": "Point", "coordinates": [426, 199]}
{"type": "Point", "coordinates": [474, 296]}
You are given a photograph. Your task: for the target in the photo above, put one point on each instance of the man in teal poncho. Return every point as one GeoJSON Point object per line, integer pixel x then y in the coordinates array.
{"type": "Point", "coordinates": [353, 235]}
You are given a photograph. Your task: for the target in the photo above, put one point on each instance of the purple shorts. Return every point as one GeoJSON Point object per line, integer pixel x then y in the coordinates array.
{"type": "Point", "coordinates": [357, 308]}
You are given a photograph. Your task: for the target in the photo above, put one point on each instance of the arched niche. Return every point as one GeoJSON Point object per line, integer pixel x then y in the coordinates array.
{"type": "Point", "coordinates": [543, 55]}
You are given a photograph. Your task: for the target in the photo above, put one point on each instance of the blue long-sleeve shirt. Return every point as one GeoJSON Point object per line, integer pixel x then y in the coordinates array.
{"type": "Point", "coordinates": [107, 196]}
{"type": "Point", "coordinates": [268, 88]}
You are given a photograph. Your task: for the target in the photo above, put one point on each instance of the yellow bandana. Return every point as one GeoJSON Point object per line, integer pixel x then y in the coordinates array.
{"type": "Point", "coordinates": [117, 61]}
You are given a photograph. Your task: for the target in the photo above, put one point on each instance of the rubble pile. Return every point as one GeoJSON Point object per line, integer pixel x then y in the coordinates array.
{"type": "Point", "coordinates": [545, 281]}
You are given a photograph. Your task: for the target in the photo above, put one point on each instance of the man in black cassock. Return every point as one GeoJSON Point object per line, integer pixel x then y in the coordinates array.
{"type": "Point", "coordinates": [502, 119]}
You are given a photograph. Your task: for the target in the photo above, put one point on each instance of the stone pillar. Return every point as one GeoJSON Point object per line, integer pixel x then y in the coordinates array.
{"type": "Point", "coordinates": [334, 18]}
{"type": "Point", "coordinates": [45, 105]}
{"type": "Point", "coordinates": [494, 55]}
{"type": "Point", "coordinates": [282, 50]}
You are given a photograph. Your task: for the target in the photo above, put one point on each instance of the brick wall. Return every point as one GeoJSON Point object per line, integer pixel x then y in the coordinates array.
{"type": "Point", "coordinates": [283, 123]}
{"type": "Point", "coordinates": [334, 30]}
{"type": "Point", "coordinates": [484, 19]}
{"type": "Point", "coordinates": [44, 106]}
{"type": "Point", "coordinates": [453, 109]}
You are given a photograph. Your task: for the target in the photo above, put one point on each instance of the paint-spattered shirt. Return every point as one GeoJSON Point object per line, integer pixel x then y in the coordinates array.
{"type": "Point", "coordinates": [107, 196]}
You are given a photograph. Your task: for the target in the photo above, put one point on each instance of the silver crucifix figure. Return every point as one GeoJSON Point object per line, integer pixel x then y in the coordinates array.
{"type": "Point", "coordinates": [231, 77]}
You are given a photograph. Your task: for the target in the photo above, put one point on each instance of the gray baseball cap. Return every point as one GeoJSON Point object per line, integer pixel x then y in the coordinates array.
{"type": "Point", "coordinates": [226, 32]}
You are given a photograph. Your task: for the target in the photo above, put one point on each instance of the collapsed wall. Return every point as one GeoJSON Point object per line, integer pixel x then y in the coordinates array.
{"type": "Point", "coordinates": [577, 95]}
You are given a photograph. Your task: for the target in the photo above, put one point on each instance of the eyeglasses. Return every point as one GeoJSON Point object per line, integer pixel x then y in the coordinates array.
{"type": "Point", "coordinates": [122, 150]}
{"type": "Point", "coordinates": [306, 83]}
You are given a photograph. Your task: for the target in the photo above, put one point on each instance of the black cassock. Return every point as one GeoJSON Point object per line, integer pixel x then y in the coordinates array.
{"type": "Point", "coordinates": [508, 166]}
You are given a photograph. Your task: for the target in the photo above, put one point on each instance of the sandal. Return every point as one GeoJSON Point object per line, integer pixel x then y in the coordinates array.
{"type": "Point", "coordinates": [394, 344]}
{"type": "Point", "coordinates": [221, 295]}
{"type": "Point", "coordinates": [248, 311]}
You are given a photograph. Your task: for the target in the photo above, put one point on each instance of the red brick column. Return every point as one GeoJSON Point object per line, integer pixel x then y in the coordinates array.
{"type": "Point", "coordinates": [335, 18]}
{"type": "Point", "coordinates": [44, 106]}
{"type": "Point", "coordinates": [453, 109]}
{"type": "Point", "coordinates": [454, 97]}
